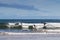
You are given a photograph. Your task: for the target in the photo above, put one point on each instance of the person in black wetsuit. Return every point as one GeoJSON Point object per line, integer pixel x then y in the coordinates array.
{"type": "Point", "coordinates": [44, 27]}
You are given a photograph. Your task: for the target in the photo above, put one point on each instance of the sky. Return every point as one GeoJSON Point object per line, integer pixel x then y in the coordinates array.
{"type": "Point", "coordinates": [29, 9]}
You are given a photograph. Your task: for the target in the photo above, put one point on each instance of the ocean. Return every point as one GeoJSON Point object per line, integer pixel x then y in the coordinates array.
{"type": "Point", "coordinates": [29, 20]}
{"type": "Point", "coordinates": [30, 36]}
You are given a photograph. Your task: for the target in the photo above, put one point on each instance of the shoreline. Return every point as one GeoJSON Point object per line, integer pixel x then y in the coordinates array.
{"type": "Point", "coordinates": [37, 33]}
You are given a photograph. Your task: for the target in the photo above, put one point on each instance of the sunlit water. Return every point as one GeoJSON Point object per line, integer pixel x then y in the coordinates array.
{"type": "Point", "coordinates": [28, 36]}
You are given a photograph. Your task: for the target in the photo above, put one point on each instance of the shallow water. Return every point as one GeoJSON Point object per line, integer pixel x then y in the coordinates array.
{"type": "Point", "coordinates": [14, 30]}
{"type": "Point", "coordinates": [31, 37]}
{"type": "Point", "coordinates": [28, 36]}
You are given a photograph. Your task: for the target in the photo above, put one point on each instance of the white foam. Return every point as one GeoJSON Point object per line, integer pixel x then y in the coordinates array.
{"type": "Point", "coordinates": [53, 24]}
{"type": "Point", "coordinates": [10, 33]}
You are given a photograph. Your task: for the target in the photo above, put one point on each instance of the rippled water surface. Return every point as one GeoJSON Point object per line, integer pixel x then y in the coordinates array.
{"type": "Point", "coordinates": [31, 37]}
{"type": "Point", "coordinates": [28, 36]}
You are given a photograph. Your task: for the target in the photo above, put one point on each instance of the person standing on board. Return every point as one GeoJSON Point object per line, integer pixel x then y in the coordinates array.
{"type": "Point", "coordinates": [44, 27]}
{"type": "Point", "coordinates": [35, 28]}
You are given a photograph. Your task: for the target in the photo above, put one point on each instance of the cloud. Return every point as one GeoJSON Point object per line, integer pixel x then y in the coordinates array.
{"type": "Point", "coordinates": [24, 7]}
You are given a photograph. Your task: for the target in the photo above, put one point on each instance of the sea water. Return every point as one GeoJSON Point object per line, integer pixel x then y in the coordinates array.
{"type": "Point", "coordinates": [28, 36]}
{"type": "Point", "coordinates": [31, 37]}
{"type": "Point", "coordinates": [16, 30]}
{"type": "Point", "coordinates": [29, 20]}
